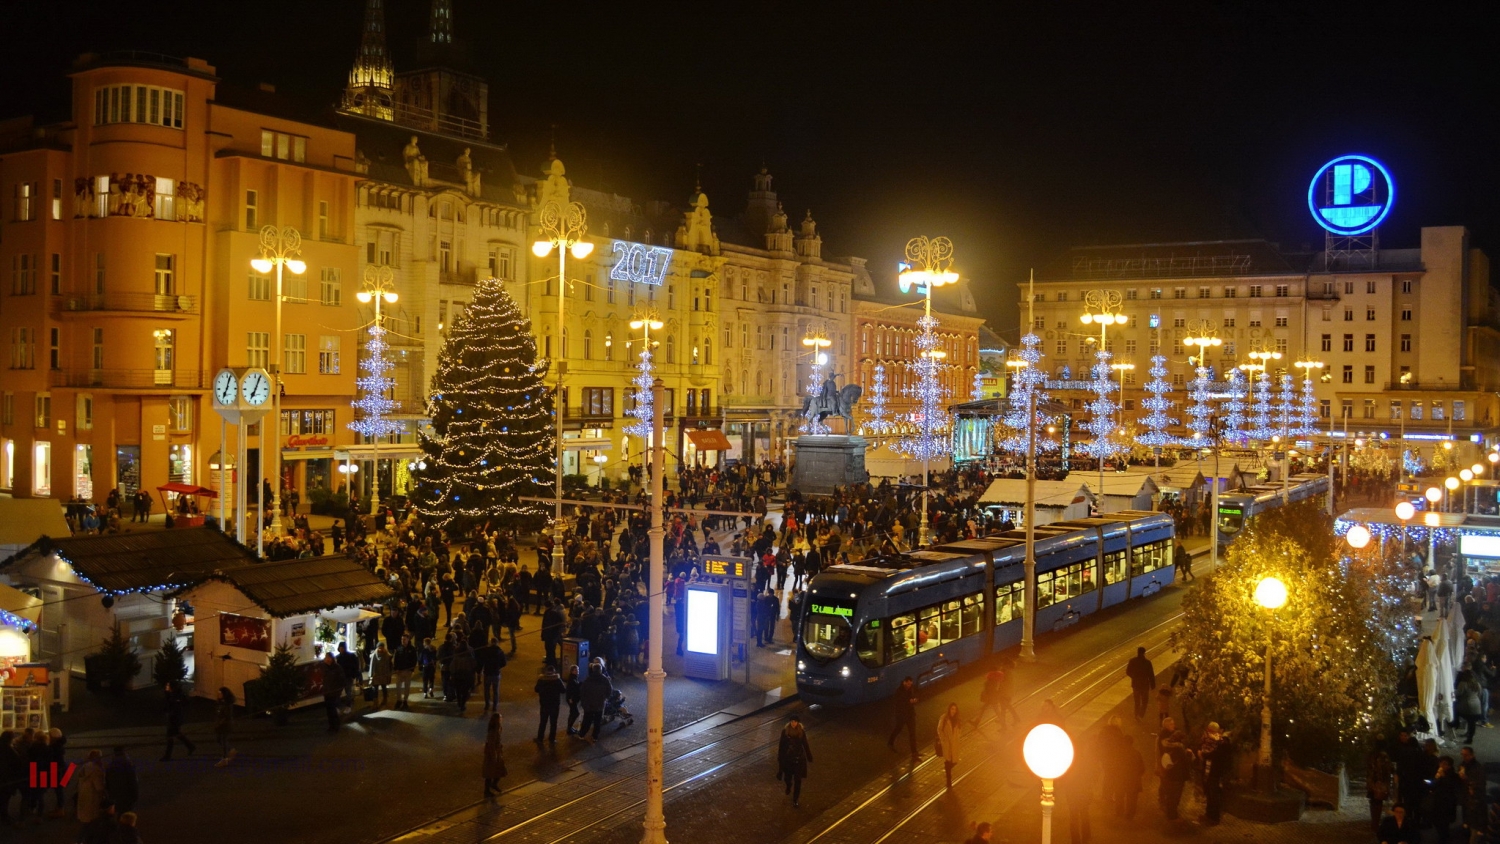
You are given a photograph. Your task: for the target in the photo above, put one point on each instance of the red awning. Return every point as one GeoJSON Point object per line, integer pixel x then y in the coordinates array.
{"type": "Point", "coordinates": [709, 439]}
{"type": "Point", "coordinates": [188, 489]}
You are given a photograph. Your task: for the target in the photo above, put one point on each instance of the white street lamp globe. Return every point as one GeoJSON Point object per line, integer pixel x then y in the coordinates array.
{"type": "Point", "coordinates": [1405, 510]}
{"type": "Point", "coordinates": [1465, 475]}
{"type": "Point", "coordinates": [1048, 751]}
{"type": "Point", "coordinates": [1433, 494]}
{"type": "Point", "coordinates": [1357, 537]}
{"type": "Point", "coordinates": [1451, 484]}
{"type": "Point", "coordinates": [1270, 592]}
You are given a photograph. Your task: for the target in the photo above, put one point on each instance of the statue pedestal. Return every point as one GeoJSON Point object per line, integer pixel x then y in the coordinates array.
{"type": "Point", "coordinates": [824, 462]}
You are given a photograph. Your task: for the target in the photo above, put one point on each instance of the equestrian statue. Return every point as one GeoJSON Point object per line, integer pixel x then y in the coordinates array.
{"type": "Point", "coordinates": [832, 401]}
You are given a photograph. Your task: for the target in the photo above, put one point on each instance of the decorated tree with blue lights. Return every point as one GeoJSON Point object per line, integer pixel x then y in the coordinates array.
{"type": "Point", "coordinates": [1201, 412]}
{"type": "Point", "coordinates": [1261, 427]}
{"type": "Point", "coordinates": [1233, 432]}
{"type": "Point", "coordinates": [1156, 405]}
{"type": "Point", "coordinates": [932, 440]}
{"type": "Point", "coordinates": [642, 399]}
{"type": "Point", "coordinates": [1029, 382]}
{"type": "Point", "coordinates": [1102, 424]}
{"type": "Point", "coordinates": [1286, 407]}
{"type": "Point", "coordinates": [374, 404]}
{"type": "Point", "coordinates": [1307, 424]}
{"type": "Point", "coordinates": [491, 440]}
{"type": "Point", "coordinates": [976, 391]}
{"type": "Point", "coordinates": [878, 421]}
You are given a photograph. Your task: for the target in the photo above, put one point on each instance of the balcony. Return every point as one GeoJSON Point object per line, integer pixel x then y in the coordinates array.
{"type": "Point", "coordinates": [409, 409]}
{"type": "Point", "coordinates": [588, 414]}
{"type": "Point", "coordinates": [130, 379]}
{"type": "Point", "coordinates": [467, 276]}
{"type": "Point", "coordinates": [1466, 383]}
{"type": "Point", "coordinates": [129, 303]}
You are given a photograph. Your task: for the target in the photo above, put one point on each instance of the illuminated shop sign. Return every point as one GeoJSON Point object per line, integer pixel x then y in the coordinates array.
{"type": "Point", "coordinates": [1351, 195]}
{"type": "Point", "coordinates": [640, 264]}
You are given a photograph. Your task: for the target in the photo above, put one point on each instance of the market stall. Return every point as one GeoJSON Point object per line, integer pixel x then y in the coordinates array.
{"type": "Point", "coordinates": [308, 604]}
{"type": "Point", "coordinates": [180, 501]}
{"type": "Point", "coordinates": [25, 686]}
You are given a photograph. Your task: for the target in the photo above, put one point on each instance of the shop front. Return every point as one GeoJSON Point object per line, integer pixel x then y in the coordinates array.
{"type": "Point", "coordinates": [25, 686]}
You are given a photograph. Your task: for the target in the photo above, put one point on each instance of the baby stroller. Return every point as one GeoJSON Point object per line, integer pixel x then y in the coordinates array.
{"type": "Point", "coordinates": [614, 708]}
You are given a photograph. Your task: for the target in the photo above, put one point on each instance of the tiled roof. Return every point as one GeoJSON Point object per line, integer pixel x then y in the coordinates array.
{"type": "Point", "coordinates": [143, 561]}
{"type": "Point", "coordinates": [292, 587]}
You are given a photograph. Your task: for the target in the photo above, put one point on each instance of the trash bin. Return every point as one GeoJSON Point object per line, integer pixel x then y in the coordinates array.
{"type": "Point", "coordinates": [575, 652]}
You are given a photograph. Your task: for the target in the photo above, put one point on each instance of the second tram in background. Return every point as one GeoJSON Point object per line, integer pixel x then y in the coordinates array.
{"type": "Point", "coordinates": [1238, 509]}
{"type": "Point", "coordinates": [925, 613]}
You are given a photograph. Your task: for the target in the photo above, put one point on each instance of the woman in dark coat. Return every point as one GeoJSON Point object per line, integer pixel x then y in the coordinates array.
{"type": "Point", "coordinates": [494, 757]}
{"type": "Point", "coordinates": [792, 758]}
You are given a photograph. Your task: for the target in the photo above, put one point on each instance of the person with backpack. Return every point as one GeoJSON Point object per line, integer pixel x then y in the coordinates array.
{"type": "Point", "coordinates": [793, 754]}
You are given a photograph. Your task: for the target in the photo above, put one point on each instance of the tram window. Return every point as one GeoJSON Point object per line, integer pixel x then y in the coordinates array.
{"type": "Point", "coordinates": [901, 637]}
{"type": "Point", "coordinates": [1150, 557]}
{"type": "Point", "coordinates": [1114, 567]}
{"type": "Point", "coordinates": [867, 644]}
{"type": "Point", "coordinates": [1010, 602]}
{"type": "Point", "coordinates": [973, 614]}
{"type": "Point", "coordinates": [1231, 520]}
{"type": "Point", "coordinates": [825, 636]}
{"type": "Point", "coordinates": [929, 633]}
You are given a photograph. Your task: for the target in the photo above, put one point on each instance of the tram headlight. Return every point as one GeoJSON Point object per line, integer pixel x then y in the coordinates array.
{"type": "Point", "coordinates": [844, 672]}
{"type": "Point", "coordinates": [801, 666]}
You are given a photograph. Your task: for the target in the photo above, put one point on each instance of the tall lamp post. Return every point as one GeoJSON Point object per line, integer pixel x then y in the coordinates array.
{"type": "Point", "coordinates": [1103, 309]}
{"type": "Point", "coordinates": [564, 228]}
{"type": "Point", "coordinates": [1049, 753]}
{"type": "Point", "coordinates": [280, 248]}
{"type": "Point", "coordinates": [1202, 336]}
{"type": "Point", "coordinates": [817, 342]}
{"type": "Point", "coordinates": [656, 821]}
{"type": "Point", "coordinates": [377, 288]}
{"type": "Point", "coordinates": [928, 265]}
{"type": "Point", "coordinates": [1270, 593]}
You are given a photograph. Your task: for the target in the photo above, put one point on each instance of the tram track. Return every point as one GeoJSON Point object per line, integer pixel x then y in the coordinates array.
{"type": "Point", "coordinates": [1086, 683]}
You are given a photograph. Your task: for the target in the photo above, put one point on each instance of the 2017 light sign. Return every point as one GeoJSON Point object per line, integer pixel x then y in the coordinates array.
{"type": "Point", "coordinates": [640, 264]}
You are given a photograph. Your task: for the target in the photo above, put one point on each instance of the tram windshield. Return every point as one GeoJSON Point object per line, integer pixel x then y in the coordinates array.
{"type": "Point", "coordinates": [827, 630]}
{"type": "Point", "coordinates": [1231, 519]}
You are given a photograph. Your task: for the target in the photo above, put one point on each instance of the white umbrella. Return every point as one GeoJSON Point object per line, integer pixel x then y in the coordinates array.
{"type": "Point", "coordinates": [1444, 675]}
{"type": "Point", "coordinates": [1456, 641]}
{"type": "Point", "coordinates": [1427, 682]}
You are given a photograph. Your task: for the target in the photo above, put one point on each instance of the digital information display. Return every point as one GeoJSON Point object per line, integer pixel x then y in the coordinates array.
{"type": "Point", "coordinates": [723, 567]}
{"type": "Point", "coordinates": [1479, 546]}
{"type": "Point", "coordinates": [703, 621]}
{"type": "Point", "coordinates": [830, 609]}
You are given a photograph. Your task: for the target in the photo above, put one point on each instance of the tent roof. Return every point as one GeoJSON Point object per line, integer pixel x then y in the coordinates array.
{"type": "Point", "coordinates": [309, 584]}
{"type": "Point", "coordinates": [25, 520]}
{"type": "Point", "coordinates": [1121, 483]}
{"type": "Point", "coordinates": [1048, 493]}
{"type": "Point", "coordinates": [17, 604]}
{"type": "Point", "coordinates": [147, 561]}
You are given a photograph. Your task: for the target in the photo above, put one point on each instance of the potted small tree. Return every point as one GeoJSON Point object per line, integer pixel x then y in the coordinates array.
{"type": "Point", "coordinates": [170, 665]}
{"type": "Point", "coordinates": [116, 662]}
{"type": "Point", "coordinates": [280, 684]}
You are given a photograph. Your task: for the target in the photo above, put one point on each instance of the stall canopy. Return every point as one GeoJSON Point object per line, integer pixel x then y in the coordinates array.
{"type": "Point", "coordinates": [147, 561]}
{"type": "Point", "coordinates": [188, 489]}
{"type": "Point", "coordinates": [25, 520]}
{"type": "Point", "coordinates": [15, 604]}
{"type": "Point", "coordinates": [709, 439]}
{"type": "Point", "coordinates": [309, 584]}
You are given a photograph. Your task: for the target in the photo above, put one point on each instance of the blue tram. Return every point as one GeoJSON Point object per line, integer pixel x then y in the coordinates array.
{"type": "Point", "coordinates": [925, 613]}
{"type": "Point", "coordinates": [1239, 508]}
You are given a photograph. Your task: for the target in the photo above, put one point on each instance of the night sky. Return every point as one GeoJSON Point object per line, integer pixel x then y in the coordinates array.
{"type": "Point", "coordinates": [1016, 132]}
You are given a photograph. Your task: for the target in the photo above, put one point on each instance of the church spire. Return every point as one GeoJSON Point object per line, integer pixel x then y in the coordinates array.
{"type": "Point", "coordinates": [370, 81]}
{"type": "Point", "coordinates": [441, 24]}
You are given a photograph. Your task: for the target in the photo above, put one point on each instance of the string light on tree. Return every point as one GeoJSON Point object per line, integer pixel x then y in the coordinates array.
{"type": "Point", "coordinates": [642, 401]}
{"type": "Point", "coordinates": [1234, 408]}
{"type": "Point", "coordinates": [1287, 413]}
{"type": "Point", "coordinates": [1157, 404]}
{"type": "Point", "coordinates": [1307, 424]}
{"type": "Point", "coordinates": [976, 393]}
{"type": "Point", "coordinates": [879, 422]}
{"type": "Point", "coordinates": [1261, 426]}
{"type": "Point", "coordinates": [1029, 379]}
{"type": "Point", "coordinates": [1201, 336]}
{"type": "Point", "coordinates": [1102, 310]}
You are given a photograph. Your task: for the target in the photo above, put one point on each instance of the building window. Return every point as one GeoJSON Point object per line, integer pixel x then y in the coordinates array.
{"type": "Point", "coordinates": [1406, 314]}
{"type": "Point", "coordinates": [1348, 373]}
{"type": "Point", "coordinates": [283, 146]}
{"type": "Point", "coordinates": [1203, 293]}
{"type": "Point", "coordinates": [1063, 296]}
{"type": "Point", "coordinates": [1395, 410]}
{"type": "Point", "coordinates": [330, 290]}
{"type": "Point", "coordinates": [1130, 345]}
{"type": "Point", "coordinates": [1348, 342]}
{"type": "Point", "coordinates": [1327, 315]}
{"type": "Point", "coordinates": [588, 344]}
{"type": "Point", "coordinates": [295, 353]}
{"type": "Point", "coordinates": [99, 273]}
{"type": "Point", "coordinates": [1370, 286]}
{"type": "Point", "coordinates": [1177, 346]}
{"type": "Point", "coordinates": [670, 349]}
{"type": "Point", "coordinates": [1179, 293]}
{"type": "Point", "coordinates": [1369, 375]}
{"type": "Point", "coordinates": [166, 275]}
{"type": "Point", "coordinates": [1281, 345]}
{"type": "Point", "coordinates": [598, 401]}
{"type": "Point", "coordinates": [1281, 322]}
{"type": "Point", "coordinates": [1346, 408]}
{"type": "Point", "coordinates": [328, 354]}
{"type": "Point", "coordinates": [306, 422]}
{"type": "Point", "coordinates": [1229, 349]}
{"type": "Point", "coordinates": [166, 348]}
{"type": "Point", "coordinates": [502, 262]}
{"type": "Point", "coordinates": [23, 274]}
{"type": "Point", "coordinates": [98, 358]}
{"type": "Point", "coordinates": [26, 199]}
{"type": "Point", "coordinates": [252, 210]}
{"type": "Point", "coordinates": [43, 410]}
{"type": "Point", "coordinates": [1283, 290]}
{"type": "Point", "coordinates": [22, 349]}
{"type": "Point", "coordinates": [1348, 287]}
{"type": "Point", "coordinates": [85, 420]}
{"type": "Point", "coordinates": [1062, 347]}
{"type": "Point", "coordinates": [294, 288]}
{"type": "Point", "coordinates": [1177, 379]}
{"type": "Point", "coordinates": [138, 104]}
{"type": "Point", "coordinates": [259, 287]}
{"type": "Point", "coordinates": [1179, 322]}
{"type": "Point", "coordinates": [1229, 322]}
{"type": "Point", "coordinates": [1369, 314]}
{"type": "Point", "coordinates": [56, 274]}
{"type": "Point", "coordinates": [1369, 409]}
{"type": "Point", "coordinates": [1255, 322]}
{"type": "Point", "coordinates": [1416, 411]}
{"type": "Point", "coordinates": [1255, 291]}
{"type": "Point", "coordinates": [1229, 292]}
{"type": "Point", "coordinates": [708, 351]}
{"type": "Point", "coordinates": [1325, 408]}
{"type": "Point", "coordinates": [54, 348]}
{"type": "Point", "coordinates": [166, 199]}
{"type": "Point", "coordinates": [1131, 293]}
{"type": "Point", "coordinates": [57, 198]}
{"type": "Point", "coordinates": [1459, 410]}
{"type": "Point", "coordinates": [258, 349]}
{"type": "Point", "coordinates": [180, 412]}
{"type": "Point", "coordinates": [1437, 411]}
{"type": "Point", "coordinates": [1406, 285]}
{"type": "Point", "coordinates": [1369, 342]}
{"type": "Point", "coordinates": [1156, 293]}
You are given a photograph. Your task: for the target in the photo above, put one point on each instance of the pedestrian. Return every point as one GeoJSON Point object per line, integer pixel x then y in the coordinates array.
{"type": "Point", "coordinates": [462, 668]}
{"type": "Point", "coordinates": [173, 704]}
{"type": "Point", "coordinates": [793, 754]}
{"type": "Point", "coordinates": [1122, 788]}
{"type": "Point", "coordinates": [1466, 703]}
{"type": "Point", "coordinates": [120, 782]}
{"type": "Point", "coordinates": [1075, 791]}
{"type": "Point", "coordinates": [12, 774]}
{"type": "Point", "coordinates": [904, 708]}
{"type": "Point", "coordinates": [403, 663]}
{"type": "Point", "coordinates": [1174, 761]}
{"type": "Point", "coordinates": [1216, 756]}
{"type": "Point", "coordinates": [996, 696]}
{"type": "Point", "coordinates": [1398, 828]}
{"type": "Point", "coordinates": [554, 628]}
{"type": "Point", "coordinates": [573, 694]}
{"type": "Point", "coordinates": [382, 667]}
{"type": "Point", "coordinates": [348, 672]}
{"type": "Point", "coordinates": [333, 690]}
{"type": "Point", "coordinates": [982, 833]}
{"type": "Point", "coordinates": [592, 694]}
{"type": "Point", "coordinates": [492, 661]}
{"type": "Point", "coordinates": [1447, 790]}
{"type": "Point", "coordinates": [427, 658]}
{"type": "Point", "coordinates": [947, 741]}
{"type": "Point", "coordinates": [549, 689]}
{"type": "Point", "coordinates": [223, 725]}
{"type": "Point", "coordinates": [91, 790]}
{"type": "Point", "coordinates": [1476, 794]}
{"type": "Point", "coordinates": [1379, 771]}
{"type": "Point", "coordinates": [1142, 680]}
{"type": "Point", "coordinates": [494, 757]}
{"type": "Point", "coordinates": [57, 748]}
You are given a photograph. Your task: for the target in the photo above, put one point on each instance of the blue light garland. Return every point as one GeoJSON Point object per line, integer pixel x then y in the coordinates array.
{"type": "Point", "coordinates": [373, 405]}
{"type": "Point", "coordinates": [1102, 409]}
{"type": "Point", "coordinates": [1157, 404]}
{"type": "Point", "coordinates": [931, 440]}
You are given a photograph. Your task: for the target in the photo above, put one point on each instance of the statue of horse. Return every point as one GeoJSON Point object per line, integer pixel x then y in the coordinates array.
{"type": "Point", "coordinates": [842, 405]}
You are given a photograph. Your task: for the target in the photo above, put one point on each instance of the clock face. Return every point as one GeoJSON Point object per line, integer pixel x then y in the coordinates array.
{"type": "Point", "coordinates": [226, 388]}
{"type": "Point", "coordinates": [257, 388]}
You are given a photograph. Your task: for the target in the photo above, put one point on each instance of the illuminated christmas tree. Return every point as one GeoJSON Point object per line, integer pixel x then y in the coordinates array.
{"type": "Point", "coordinates": [1307, 425]}
{"type": "Point", "coordinates": [1260, 410]}
{"type": "Point", "coordinates": [1156, 405]}
{"type": "Point", "coordinates": [1286, 408]}
{"type": "Point", "coordinates": [1102, 424]}
{"type": "Point", "coordinates": [1201, 411]}
{"type": "Point", "coordinates": [1233, 432]}
{"type": "Point", "coordinates": [1029, 381]}
{"type": "Point", "coordinates": [374, 406]}
{"type": "Point", "coordinates": [933, 424]}
{"type": "Point", "coordinates": [642, 398]}
{"type": "Point", "coordinates": [977, 392]}
{"type": "Point", "coordinates": [879, 422]}
{"type": "Point", "coordinates": [491, 440]}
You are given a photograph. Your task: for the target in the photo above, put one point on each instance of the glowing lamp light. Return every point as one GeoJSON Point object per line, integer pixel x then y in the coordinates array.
{"type": "Point", "coordinates": [391, 297]}
{"type": "Point", "coordinates": [1464, 475]}
{"type": "Point", "coordinates": [1477, 469]}
{"type": "Point", "coordinates": [1405, 510]}
{"type": "Point", "coordinates": [364, 297]}
{"type": "Point", "coordinates": [297, 267]}
{"type": "Point", "coordinates": [262, 265]}
{"type": "Point", "coordinates": [1270, 592]}
{"type": "Point", "coordinates": [1431, 519]}
{"type": "Point", "coordinates": [1048, 751]}
{"type": "Point", "coordinates": [542, 248]}
{"type": "Point", "coordinates": [1447, 445]}
{"type": "Point", "coordinates": [582, 249]}
{"type": "Point", "coordinates": [1357, 537]}
{"type": "Point", "coordinates": [1451, 484]}
{"type": "Point", "coordinates": [1494, 457]}
{"type": "Point", "coordinates": [1433, 494]}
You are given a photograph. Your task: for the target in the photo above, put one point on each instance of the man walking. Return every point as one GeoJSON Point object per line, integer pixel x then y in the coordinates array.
{"type": "Point", "coordinates": [491, 661]}
{"type": "Point", "coordinates": [403, 664]}
{"type": "Point", "coordinates": [905, 703]}
{"type": "Point", "coordinates": [174, 724]}
{"type": "Point", "coordinates": [554, 626]}
{"type": "Point", "coordinates": [349, 667]}
{"type": "Point", "coordinates": [1142, 680]}
{"type": "Point", "coordinates": [549, 694]}
{"type": "Point", "coordinates": [333, 690]}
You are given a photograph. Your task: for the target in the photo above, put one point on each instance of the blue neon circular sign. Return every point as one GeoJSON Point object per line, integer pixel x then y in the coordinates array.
{"type": "Point", "coordinates": [1351, 195]}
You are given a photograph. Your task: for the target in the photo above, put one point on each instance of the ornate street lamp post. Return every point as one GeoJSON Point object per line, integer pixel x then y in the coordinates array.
{"type": "Point", "coordinates": [928, 265]}
{"type": "Point", "coordinates": [280, 248]}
